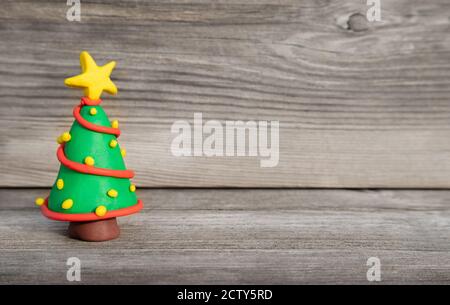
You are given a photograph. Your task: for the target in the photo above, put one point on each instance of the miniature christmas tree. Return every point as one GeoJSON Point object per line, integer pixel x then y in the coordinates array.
{"type": "Point", "coordinates": [92, 187]}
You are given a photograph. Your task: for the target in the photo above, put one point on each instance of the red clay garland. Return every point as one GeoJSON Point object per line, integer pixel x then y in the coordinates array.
{"type": "Point", "coordinates": [90, 216]}
{"type": "Point", "coordinates": [89, 102]}
{"type": "Point", "coordinates": [86, 169]}
{"type": "Point", "coordinates": [91, 126]}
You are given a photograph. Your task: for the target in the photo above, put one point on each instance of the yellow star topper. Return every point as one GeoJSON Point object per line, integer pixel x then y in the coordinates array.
{"type": "Point", "coordinates": [93, 79]}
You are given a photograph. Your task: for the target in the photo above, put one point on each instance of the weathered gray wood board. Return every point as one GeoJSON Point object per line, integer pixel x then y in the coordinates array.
{"type": "Point", "coordinates": [240, 236]}
{"type": "Point", "coordinates": [359, 106]}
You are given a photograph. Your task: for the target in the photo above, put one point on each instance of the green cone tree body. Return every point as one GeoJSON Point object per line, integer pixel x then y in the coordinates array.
{"type": "Point", "coordinates": [85, 190]}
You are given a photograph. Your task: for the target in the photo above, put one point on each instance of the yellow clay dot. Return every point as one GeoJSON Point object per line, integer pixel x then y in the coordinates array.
{"type": "Point", "coordinates": [112, 193]}
{"type": "Point", "coordinates": [112, 143]}
{"type": "Point", "coordinates": [59, 140]}
{"type": "Point", "coordinates": [39, 201]}
{"type": "Point", "coordinates": [115, 124]}
{"type": "Point", "coordinates": [89, 161]}
{"type": "Point", "coordinates": [123, 152]}
{"type": "Point", "coordinates": [67, 204]}
{"type": "Point", "coordinates": [66, 137]}
{"type": "Point", "coordinates": [59, 184]}
{"type": "Point", "coordinates": [100, 211]}
{"type": "Point", "coordinates": [92, 111]}
{"type": "Point", "coordinates": [132, 188]}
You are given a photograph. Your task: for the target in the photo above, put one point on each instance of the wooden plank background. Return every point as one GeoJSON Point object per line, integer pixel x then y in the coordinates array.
{"type": "Point", "coordinates": [240, 237]}
{"type": "Point", "coordinates": [359, 104]}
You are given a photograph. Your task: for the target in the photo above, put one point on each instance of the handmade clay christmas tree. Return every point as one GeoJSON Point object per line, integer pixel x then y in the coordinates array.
{"type": "Point", "coordinates": [92, 187]}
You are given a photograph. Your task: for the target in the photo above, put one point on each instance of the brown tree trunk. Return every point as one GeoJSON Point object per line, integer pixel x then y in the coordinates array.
{"type": "Point", "coordinates": [100, 230]}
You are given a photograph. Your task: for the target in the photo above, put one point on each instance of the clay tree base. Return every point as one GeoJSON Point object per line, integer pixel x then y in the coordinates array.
{"type": "Point", "coordinates": [100, 230]}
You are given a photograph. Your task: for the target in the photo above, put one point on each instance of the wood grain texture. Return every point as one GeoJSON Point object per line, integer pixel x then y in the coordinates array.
{"type": "Point", "coordinates": [359, 105]}
{"type": "Point", "coordinates": [240, 237]}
